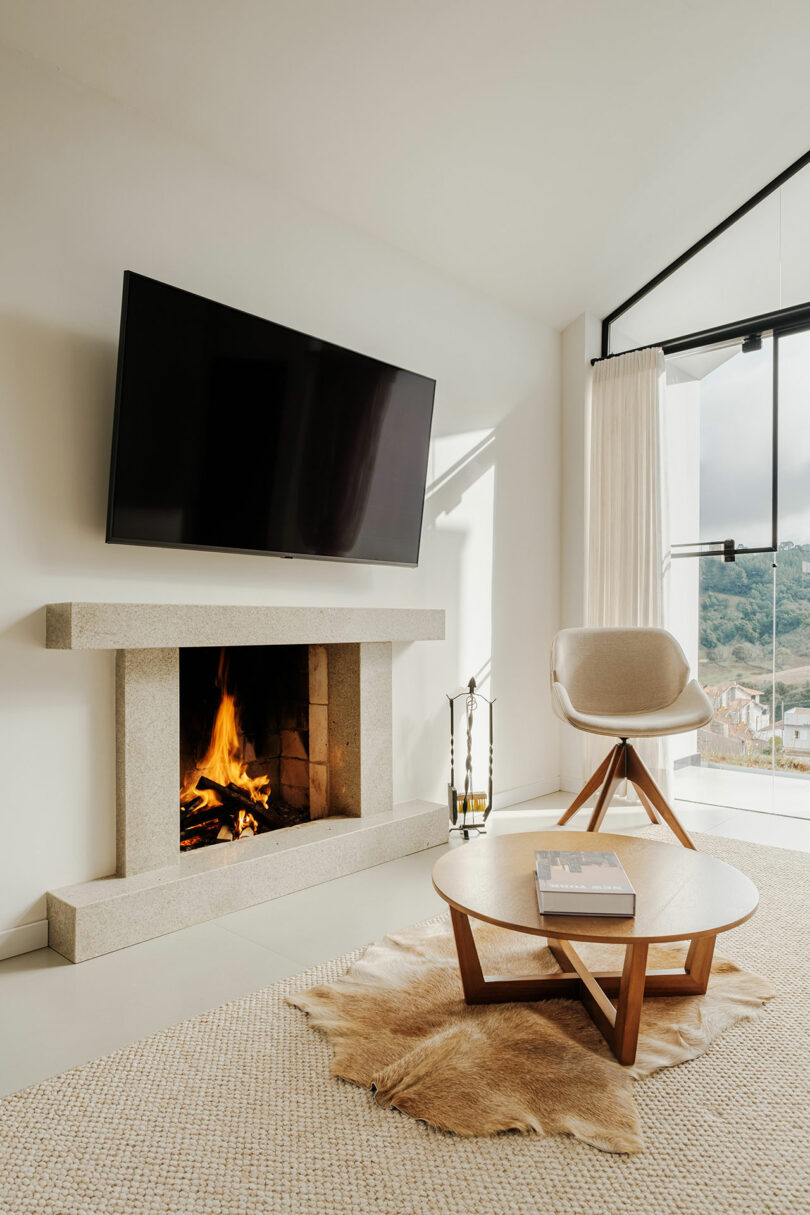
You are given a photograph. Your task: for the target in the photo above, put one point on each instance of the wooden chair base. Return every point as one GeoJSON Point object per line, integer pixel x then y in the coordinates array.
{"type": "Point", "coordinates": [623, 763]}
{"type": "Point", "coordinates": [618, 1023]}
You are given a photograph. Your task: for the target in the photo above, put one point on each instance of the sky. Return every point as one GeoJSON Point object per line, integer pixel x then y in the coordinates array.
{"type": "Point", "coordinates": [735, 436]}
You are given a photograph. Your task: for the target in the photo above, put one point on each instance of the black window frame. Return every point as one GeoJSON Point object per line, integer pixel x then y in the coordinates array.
{"type": "Point", "coordinates": [775, 324]}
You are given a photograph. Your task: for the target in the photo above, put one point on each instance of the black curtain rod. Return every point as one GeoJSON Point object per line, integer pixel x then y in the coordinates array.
{"type": "Point", "coordinates": [664, 274]}
{"type": "Point", "coordinates": [780, 321]}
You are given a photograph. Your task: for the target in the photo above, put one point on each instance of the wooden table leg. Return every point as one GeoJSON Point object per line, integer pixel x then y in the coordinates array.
{"type": "Point", "coordinates": [619, 1024]}
{"type": "Point", "coordinates": [628, 1007]}
{"type": "Point", "coordinates": [508, 989]}
{"type": "Point", "coordinates": [469, 964]}
{"type": "Point", "coordinates": [699, 961]}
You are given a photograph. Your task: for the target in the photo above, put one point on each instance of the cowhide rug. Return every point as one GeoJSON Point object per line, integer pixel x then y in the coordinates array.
{"type": "Point", "coordinates": [398, 1024]}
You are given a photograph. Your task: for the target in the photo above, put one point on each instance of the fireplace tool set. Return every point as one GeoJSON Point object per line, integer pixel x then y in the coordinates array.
{"type": "Point", "coordinates": [469, 810]}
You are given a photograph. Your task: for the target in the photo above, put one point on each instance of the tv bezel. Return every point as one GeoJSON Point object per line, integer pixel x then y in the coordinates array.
{"type": "Point", "coordinates": [111, 538]}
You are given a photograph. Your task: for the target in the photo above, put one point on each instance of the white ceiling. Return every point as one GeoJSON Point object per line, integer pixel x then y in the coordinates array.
{"type": "Point", "coordinates": [553, 153]}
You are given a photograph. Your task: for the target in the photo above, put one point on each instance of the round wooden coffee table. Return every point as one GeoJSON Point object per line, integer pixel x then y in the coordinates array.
{"type": "Point", "coordinates": [681, 895]}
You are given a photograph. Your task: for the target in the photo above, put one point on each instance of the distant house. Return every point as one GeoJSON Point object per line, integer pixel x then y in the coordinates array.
{"type": "Point", "coordinates": [796, 732]}
{"type": "Point", "coordinates": [737, 705]}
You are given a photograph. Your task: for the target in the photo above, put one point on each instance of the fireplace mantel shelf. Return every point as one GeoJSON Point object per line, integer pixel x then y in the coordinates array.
{"type": "Point", "coordinates": [130, 626]}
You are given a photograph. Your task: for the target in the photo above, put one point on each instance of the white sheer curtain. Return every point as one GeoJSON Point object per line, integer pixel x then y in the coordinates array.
{"type": "Point", "coordinates": [628, 544]}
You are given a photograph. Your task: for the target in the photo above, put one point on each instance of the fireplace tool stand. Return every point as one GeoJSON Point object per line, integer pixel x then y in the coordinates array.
{"type": "Point", "coordinates": [469, 810]}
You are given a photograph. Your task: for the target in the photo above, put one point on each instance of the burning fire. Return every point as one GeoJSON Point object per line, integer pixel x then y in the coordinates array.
{"type": "Point", "coordinates": [223, 766]}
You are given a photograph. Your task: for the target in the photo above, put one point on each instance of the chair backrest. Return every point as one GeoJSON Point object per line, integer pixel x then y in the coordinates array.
{"type": "Point", "coordinates": [615, 671]}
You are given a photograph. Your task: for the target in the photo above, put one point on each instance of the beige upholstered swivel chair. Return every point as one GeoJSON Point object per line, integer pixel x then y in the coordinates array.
{"type": "Point", "coordinates": [625, 683]}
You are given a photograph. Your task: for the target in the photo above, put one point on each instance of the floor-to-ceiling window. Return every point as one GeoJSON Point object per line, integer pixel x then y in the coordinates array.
{"type": "Point", "coordinates": [745, 624]}
{"type": "Point", "coordinates": [738, 442]}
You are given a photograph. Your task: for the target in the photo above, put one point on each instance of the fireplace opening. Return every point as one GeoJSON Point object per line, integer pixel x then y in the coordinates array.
{"type": "Point", "coordinates": [253, 740]}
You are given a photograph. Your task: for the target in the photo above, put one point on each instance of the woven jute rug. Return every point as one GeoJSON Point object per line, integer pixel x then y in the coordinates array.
{"type": "Point", "coordinates": [236, 1111]}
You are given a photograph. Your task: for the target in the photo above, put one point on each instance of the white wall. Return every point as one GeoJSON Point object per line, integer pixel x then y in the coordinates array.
{"type": "Point", "coordinates": [579, 343]}
{"type": "Point", "coordinates": [90, 189]}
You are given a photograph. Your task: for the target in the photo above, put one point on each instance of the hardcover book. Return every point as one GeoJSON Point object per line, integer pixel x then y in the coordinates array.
{"type": "Point", "coordinates": [583, 883]}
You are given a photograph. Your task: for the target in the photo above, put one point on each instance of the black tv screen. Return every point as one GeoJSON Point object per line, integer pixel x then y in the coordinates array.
{"type": "Point", "coordinates": [232, 432]}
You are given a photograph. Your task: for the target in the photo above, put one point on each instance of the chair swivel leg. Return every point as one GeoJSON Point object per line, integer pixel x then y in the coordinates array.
{"type": "Point", "coordinates": [640, 776]}
{"type": "Point", "coordinates": [588, 790]}
{"type": "Point", "coordinates": [646, 803]}
{"type": "Point", "coordinates": [617, 772]}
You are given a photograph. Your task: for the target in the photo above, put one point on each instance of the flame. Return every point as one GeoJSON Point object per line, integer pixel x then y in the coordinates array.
{"type": "Point", "coordinates": [246, 822]}
{"type": "Point", "coordinates": [223, 761]}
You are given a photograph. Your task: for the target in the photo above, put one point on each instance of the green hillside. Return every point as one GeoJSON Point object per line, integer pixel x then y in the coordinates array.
{"type": "Point", "coordinates": [736, 622]}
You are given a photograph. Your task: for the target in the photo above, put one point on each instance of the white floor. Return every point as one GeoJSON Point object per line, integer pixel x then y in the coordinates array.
{"type": "Point", "coordinates": [54, 1015]}
{"type": "Point", "coordinates": [746, 789]}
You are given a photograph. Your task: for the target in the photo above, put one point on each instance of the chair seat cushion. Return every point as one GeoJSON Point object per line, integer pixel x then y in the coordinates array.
{"type": "Point", "coordinates": [691, 710]}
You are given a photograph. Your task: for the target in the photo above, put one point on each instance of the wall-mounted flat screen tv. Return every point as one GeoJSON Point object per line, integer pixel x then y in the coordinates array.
{"type": "Point", "coordinates": [232, 432]}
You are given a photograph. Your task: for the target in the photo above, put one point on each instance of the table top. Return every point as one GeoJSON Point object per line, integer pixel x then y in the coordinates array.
{"type": "Point", "coordinates": [680, 894]}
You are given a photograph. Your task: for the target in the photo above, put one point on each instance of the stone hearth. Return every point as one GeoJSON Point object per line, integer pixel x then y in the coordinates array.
{"type": "Point", "coordinates": [156, 889]}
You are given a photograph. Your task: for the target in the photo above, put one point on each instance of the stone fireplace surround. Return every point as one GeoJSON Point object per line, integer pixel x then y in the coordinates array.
{"type": "Point", "coordinates": [156, 889]}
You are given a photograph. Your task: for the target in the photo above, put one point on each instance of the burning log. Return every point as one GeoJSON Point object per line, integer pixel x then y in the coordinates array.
{"type": "Point", "coordinates": [199, 833]}
{"type": "Point", "coordinates": [268, 816]}
{"type": "Point", "coordinates": [232, 795]}
{"type": "Point", "coordinates": [195, 818]}
{"type": "Point", "coordinates": [227, 793]}
{"type": "Point", "coordinates": [210, 824]}
{"type": "Point", "coordinates": [192, 806]}
{"type": "Point", "coordinates": [239, 792]}
{"type": "Point", "coordinates": [195, 837]}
